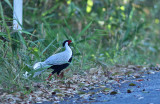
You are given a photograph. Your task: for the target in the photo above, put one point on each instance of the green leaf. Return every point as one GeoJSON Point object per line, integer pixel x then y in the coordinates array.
{"type": "Point", "coordinates": [2, 34]}
{"type": "Point", "coordinates": [26, 32]}
{"type": "Point", "coordinates": [83, 31]}
{"type": "Point", "coordinates": [7, 1]}
{"type": "Point", "coordinates": [64, 32]}
{"type": "Point", "coordinates": [22, 39]}
{"type": "Point", "coordinates": [50, 10]}
{"type": "Point", "coordinates": [4, 22]}
{"type": "Point", "coordinates": [48, 46]}
{"type": "Point", "coordinates": [67, 25]}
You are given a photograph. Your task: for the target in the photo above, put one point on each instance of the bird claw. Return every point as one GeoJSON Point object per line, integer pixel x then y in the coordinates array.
{"type": "Point", "coordinates": [61, 75]}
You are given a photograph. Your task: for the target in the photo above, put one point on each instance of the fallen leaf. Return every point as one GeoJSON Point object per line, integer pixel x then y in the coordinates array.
{"type": "Point", "coordinates": [140, 80]}
{"type": "Point", "coordinates": [140, 98]}
{"type": "Point", "coordinates": [53, 93]}
{"type": "Point", "coordinates": [57, 90]}
{"type": "Point", "coordinates": [132, 84]}
{"type": "Point", "coordinates": [129, 91]}
{"type": "Point", "coordinates": [113, 93]}
{"type": "Point", "coordinates": [81, 92]}
{"type": "Point", "coordinates": [107, 89]}
{"type": "Point", "coordinates": [60, 95]}
{"type": "Point", "coordinates": [92, 98]}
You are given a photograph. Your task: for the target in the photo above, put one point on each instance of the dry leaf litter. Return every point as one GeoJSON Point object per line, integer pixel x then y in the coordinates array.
{"type": "Point", "coordinates": [57, 89]}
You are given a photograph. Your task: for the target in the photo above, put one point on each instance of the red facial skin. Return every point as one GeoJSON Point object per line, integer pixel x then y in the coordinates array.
{"type": "Point", "coordinates": [69, 41]}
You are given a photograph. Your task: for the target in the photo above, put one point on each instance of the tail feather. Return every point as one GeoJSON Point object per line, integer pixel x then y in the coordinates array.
{"type": "Point", "coordinates": [39, 65]}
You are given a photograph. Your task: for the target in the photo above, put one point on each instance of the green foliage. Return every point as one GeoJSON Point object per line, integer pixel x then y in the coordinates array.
{"type": "Point", "coordinates": [104, 32]}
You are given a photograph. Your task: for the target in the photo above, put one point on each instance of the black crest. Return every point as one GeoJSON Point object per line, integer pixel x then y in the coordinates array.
{"type": "Point", "coordinates": [69, 41]}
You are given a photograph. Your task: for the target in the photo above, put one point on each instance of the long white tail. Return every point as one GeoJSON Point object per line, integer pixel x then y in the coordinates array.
{"type": "Point", "coordinates": [39, 65]}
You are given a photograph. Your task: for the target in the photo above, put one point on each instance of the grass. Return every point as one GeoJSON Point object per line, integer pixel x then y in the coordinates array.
{"type": "Point", "coordinates": [113, 33]}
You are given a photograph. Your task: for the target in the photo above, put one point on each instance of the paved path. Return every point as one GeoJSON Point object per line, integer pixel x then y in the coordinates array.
{"type": "Point", "coordinates": [145, 91]}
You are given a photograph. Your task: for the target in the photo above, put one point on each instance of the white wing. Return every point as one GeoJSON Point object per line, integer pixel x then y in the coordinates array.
{"type": "Point", "coordinates": [59, 58]}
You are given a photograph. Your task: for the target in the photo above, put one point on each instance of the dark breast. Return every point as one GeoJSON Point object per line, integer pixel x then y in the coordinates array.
{"type": "Point", "coordinates": [59, 68]}
{"type": "Point", "coordinates": [70, 59]}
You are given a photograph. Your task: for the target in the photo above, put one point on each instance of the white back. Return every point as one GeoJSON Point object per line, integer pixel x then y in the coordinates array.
{"type": "Point", "coordinates": [60, 58]}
